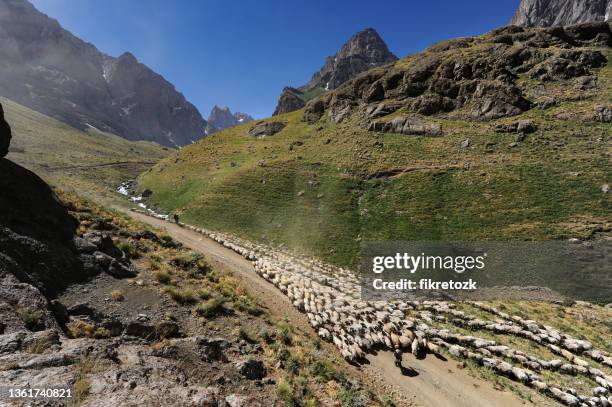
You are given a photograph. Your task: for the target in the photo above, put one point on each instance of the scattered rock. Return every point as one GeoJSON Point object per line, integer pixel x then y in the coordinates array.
{"type": "Point", "coordinates": [521, 126]}
{"type": "Point", "coordinates": [139, 329]}
{"type": "Point", "coordinates": [235, 400]}
{"type": "Point", "coordinates": [167, 329]}
{"type": "Point", "coordinates": [465, 143]}
{"type": "Point", "coordinates": [603, 114]}
{"type": "Point", "coordinates": [586, 82]}
{"type": "Point", "coordinates": [252, 369]}
{"type": "Point", "coordinates": [211, 349]}
{"type": "Point", "coordinates": [118, 269]}
{"type": "Point", "coordinates": [605, 188]}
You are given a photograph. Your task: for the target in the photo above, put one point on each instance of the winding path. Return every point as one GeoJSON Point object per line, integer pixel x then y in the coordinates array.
{"type": "Point", "coordinates": [425, 382]}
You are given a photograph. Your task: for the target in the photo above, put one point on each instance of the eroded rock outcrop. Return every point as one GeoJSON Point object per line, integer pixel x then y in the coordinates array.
{"type": "Point", "coordinates": [470, 78]}
{"type": "Point", "coordinates": [289, 101]}
{"type": "Point", "coordinates": [263, 129]}
{"type": "Point", "coordinates": [407, 125]}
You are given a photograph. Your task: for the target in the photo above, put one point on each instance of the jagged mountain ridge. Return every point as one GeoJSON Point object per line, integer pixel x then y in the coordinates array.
{"type": "Point", "coordinates": [363, 51]}
{"type": "Point", "coordinates": [547, 13]}
{"type": "Point", "coordinates": [221, 118]}
{"type": "Point", "coordinates": [48, 69]}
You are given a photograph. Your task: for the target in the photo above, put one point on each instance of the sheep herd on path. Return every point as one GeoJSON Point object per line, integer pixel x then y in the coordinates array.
{"type": "Point", "coordinates": [331, 298]}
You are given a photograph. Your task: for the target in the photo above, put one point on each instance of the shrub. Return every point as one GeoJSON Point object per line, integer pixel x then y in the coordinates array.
{"type": "Point", "coordinates": [353, 398]}
{"type": "Point", "coordinates": [39, 345]}
{"type": "Point", "coordinates": [285, 394]}
{"type": "Point", "coordinates": [186, 260]}
{"type": "Point", "coordinates": [247, 335]}
{"type": "Point", "coordinates": [82, 329]}
{"type": "Point", "coordinates": [182, 296]}
{"type": "Point", "coordinates": [325, 372]}
{"type": "Point", "coordinates": [129, 249]}
{"type": "Point", "coordinates": [168, 242]}
{"type": "Point", "coordinates": [266, 336]}
{"type": "Point", "coordinates": [246, 304]}
{"type": "Point", "coordinates": [293, 365]}
{"type": "Point", "coordinates": [210, 308]}
{"type": "Point", "coordinates": [32, 318]}
{"type": "Point", "coordinates": [284, 333]}
{"type": "Point", "coordinates": [117, 295]}
{"type": "Point", "coordinates": [204, 294]}
{"type": "Point", "coordinates": [163, 277]}
{"type": "Point", "coordinates": [154, 264]}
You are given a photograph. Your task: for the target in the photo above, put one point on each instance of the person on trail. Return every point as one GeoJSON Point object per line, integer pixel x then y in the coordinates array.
{"type": "Point", "coordinates": [397, 353]}
{"type": "Point", "coordinates": [176, 218]}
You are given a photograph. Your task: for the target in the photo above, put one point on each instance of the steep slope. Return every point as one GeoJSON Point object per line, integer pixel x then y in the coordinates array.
{"type": "Point", "coordinates": [48, 69]}
{"type": "Point", "coordinates": [497, 137]}
{"type": "Point", "coordinates": [221, 118]}
{"type": "Point", "coordinates": [89, 162]}
{"type": "Point", "coordinates": [548, 13]}
{"type": "Point", "coordinates": [361, 52]}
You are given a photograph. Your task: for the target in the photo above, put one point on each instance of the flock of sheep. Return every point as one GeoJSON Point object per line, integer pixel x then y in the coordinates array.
{"type": "Point", "coordinates": [330, 297]}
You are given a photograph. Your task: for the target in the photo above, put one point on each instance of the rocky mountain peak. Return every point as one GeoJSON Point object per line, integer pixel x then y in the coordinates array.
{"type": "Point", "coordinates": [547, 13]}
{"type": "Point", "coordinates": [363, 51]}
{"type": "Point", "coordinates": [367, 44]}
{"type": "Point", "coordinates": [222, 118]}
{"type": "Point", "coordinates": [46, 68]}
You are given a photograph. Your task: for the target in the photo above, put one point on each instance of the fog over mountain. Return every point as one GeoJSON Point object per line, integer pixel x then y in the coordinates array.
{"type": "Point", "coordinates": [48, 69]}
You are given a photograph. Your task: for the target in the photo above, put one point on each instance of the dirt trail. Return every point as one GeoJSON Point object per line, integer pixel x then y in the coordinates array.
{"type": "Point", "coordinates": [111, 164]}
{"type": "Point", "coordinates": [425, 382]}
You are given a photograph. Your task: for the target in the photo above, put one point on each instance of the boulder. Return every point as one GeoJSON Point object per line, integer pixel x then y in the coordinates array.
{"type": "Point", "coordinates": [603, 114]}
{"type": "Point", "coordinates": [263, 129]}
{"type": "Point", "coordinates": [314, 110]}
{"type": "Point", "coordinates": [252, 369]}
{"type": "Point", "coordinates": [103, 243]}
{"type": "Point", "coordinates": [521, 126]}
{"type": "Point", "coordinates": [407, 125]}
{"type": "Point", "coordinates": [211, 349]}
{"type": "Point", "coordinates": [118, 269]}
{"type": "Point", "coordinates": [139, 329]}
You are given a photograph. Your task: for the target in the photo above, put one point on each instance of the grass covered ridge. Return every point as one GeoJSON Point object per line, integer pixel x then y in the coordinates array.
{"type": "Point", "coordinates": [323, 188]}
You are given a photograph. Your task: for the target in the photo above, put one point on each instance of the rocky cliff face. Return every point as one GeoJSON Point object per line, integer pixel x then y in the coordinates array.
{"type": "Point", "coordinates": [547, 13]}
{"type": "Point", "coordinates": [46, 68]}
{"type": "Point", "coordinates": [447, 80]}
{"type": "Point", "coordinates": [291, 99]}
{"type": "Point", "coordinates": [222, 118]}
{"type": "Point", "coordinates": [363, 51]}
{"type": "Point", "coordinates": [5, 134]}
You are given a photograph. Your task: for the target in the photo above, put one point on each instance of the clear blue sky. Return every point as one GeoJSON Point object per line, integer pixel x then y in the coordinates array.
{"type": "Point", "coordinates": [242, 53]}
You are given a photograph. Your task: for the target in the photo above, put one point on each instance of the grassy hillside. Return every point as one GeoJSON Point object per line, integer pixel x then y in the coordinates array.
{"type": "Point", "coordinates": [323, 187]}
{"type": "Point", "coordinates": [91, 163]}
